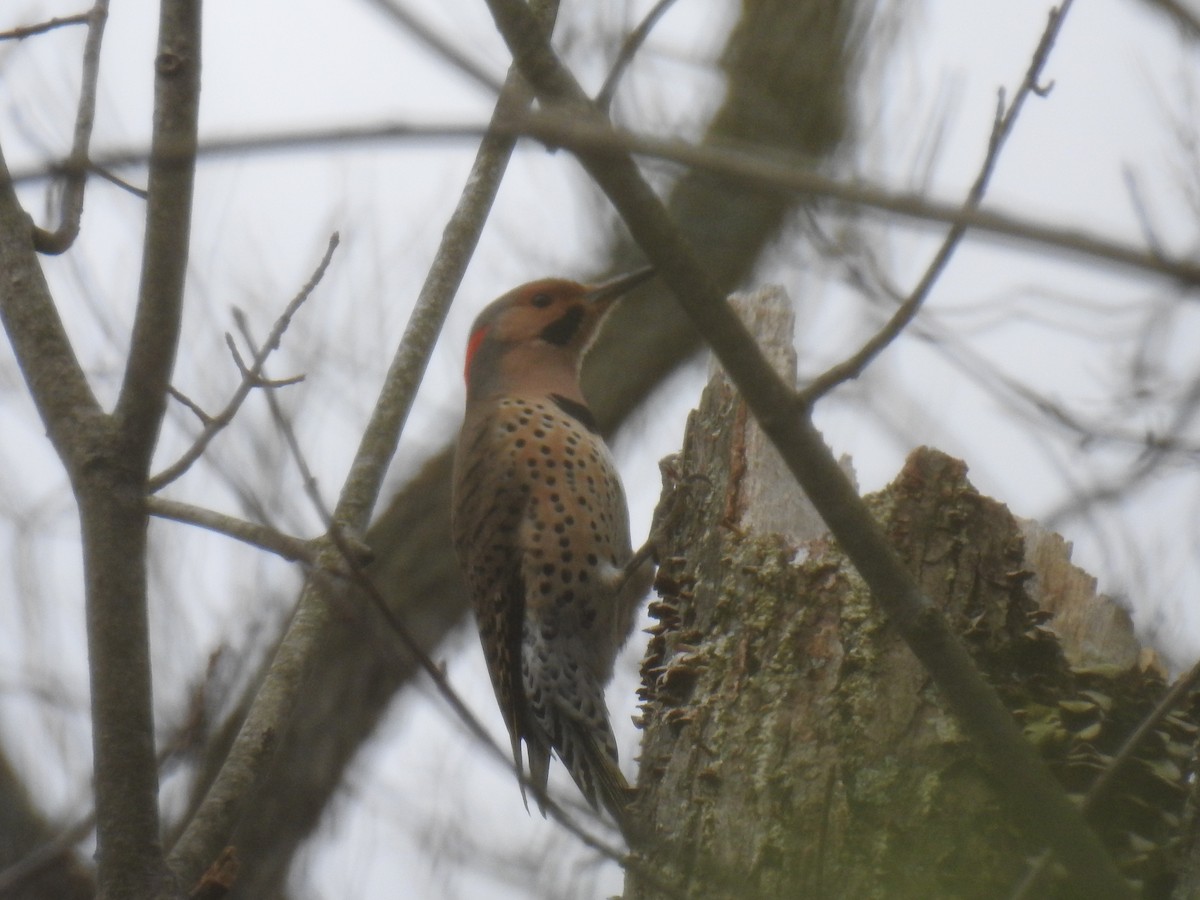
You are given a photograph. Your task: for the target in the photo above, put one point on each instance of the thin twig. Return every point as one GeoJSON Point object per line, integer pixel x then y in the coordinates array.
{"type": "Point", "coordinates": [24, 31]}
{"type": "Point", "coordinates": [116, 180]}
{"type": "Point", "coordinates": [158, 314]}
{"type": "Point", "coordinates": [1034, 800]}
{"type": "Point", "coordinates": [61, 238]}
{"type": "Point", "coordinates": [183, 399]}
{"type": "Point", "coordinates": [629, 50]}
{"type": "Point", "coordinates": [284, 424]}
{"type": "Point", "coordinates": [264, 537]}
{"type": "Point", "coordinates": [130, 860]}
{"type": "Point", "coordinates": [382, 436]}
{"type": "Point", "coordinates": [556, 128]}
{"type": "Point", "coordinates": [582, 135]}
{"type": "Point", "coordinates": [907, 311]}
{"type": "Point", "coordinates": [438, 44]}
{"type": "Point", "coordinates": [1147, 463]}
{"type": "Point", "coordinates": [258, 381]}
{"type": "Point", "coordinates": [251, 376]}
{"type": "Point", "coordinates": [1141, 211]}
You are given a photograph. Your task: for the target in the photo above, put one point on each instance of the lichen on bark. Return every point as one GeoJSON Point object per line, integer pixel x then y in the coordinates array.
{"type": "Point", "coordinates": [794, 746]}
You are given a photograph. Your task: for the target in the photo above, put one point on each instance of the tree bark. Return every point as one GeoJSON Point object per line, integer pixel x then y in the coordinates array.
{"type": "Point", "coordinates": [795, 747]}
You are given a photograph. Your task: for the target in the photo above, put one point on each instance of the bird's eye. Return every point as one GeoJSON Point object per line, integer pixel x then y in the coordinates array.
{"type": "Point", "coordinates": [541, 301]}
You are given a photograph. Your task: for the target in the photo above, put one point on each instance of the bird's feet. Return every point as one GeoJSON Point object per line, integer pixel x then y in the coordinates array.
{"type": "Point", "coordinates": [666, 517]}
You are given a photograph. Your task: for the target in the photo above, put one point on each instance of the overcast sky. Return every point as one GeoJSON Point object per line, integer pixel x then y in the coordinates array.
{"type": "Point", "coordinates": [1123, 82]}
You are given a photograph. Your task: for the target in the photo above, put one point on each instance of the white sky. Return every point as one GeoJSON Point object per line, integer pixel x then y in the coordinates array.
{"type": "Point", "coordinates": [1120, 75]}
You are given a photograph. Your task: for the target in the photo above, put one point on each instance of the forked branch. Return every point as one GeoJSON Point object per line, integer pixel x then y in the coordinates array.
{"type": "Point", "coordinates": [907, 311]}
{"type": "Point", "coordinates": [251, 377]}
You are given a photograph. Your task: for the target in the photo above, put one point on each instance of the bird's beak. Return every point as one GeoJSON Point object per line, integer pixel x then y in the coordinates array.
{"type": "Point", "coordinates": [608, 291]}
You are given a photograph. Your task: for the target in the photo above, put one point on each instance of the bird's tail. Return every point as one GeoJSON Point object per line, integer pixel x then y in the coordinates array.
{"type": "Point", "coordinates": [567, 709]}
{"type": "Point", "coordinates": [594, 768]}
{"type": "Point", "coordinates": [588, 750]}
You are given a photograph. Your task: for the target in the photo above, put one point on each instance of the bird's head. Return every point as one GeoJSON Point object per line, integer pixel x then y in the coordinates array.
{"type": "Point", "coordinates": [540, 331]}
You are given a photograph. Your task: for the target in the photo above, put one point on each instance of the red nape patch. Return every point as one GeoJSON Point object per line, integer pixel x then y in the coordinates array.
{"type": "Point", "coordinates": [473, 346]}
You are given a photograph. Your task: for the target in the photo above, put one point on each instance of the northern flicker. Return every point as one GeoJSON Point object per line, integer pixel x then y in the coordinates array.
{"type": "Point", "coordinates": [542, 531]}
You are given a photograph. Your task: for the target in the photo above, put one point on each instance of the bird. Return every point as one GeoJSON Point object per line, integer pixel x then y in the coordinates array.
{"type": "Point", "coordinates": [541, 530]}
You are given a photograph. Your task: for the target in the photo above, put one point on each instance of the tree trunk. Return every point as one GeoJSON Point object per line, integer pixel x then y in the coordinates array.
{"type": "Point", "coordinates": [794, 747]}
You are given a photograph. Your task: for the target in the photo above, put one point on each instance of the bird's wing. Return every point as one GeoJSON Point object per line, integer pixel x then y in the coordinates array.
{"type": "Point", "coordinates": [488, 508]}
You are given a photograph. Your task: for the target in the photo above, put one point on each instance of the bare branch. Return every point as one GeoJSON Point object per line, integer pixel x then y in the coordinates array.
{"type": "Point", "coordinates": [458, 242]}
{"type": "Point", "coordinates": [1005, 120]}
{"type": "Point", "coordinates": [68, 408]}
{"type": "Point", "coordinates": [185, 400]}
{"type": "Point", "coordinates": [438, 44]}
{"type": "Point", "coordinates": [59, 240]}
{"type": "Point", "coordinates": [629, 50]}
{"type": "Point", "coordinates": [1036, 801]}
{"type": "Point", "coordinates": [19, 34]}
{"type": "Point", "coordinates": [113, 179]}
{"type": "Point", "coordinates": [284, 424]}
{"type": "Point", "coordinates": [258, 381]}
{"type": "Point", "coordinates": [1138, 201]}
{"type": "Point", "coordinates": [155, 337]}
{"type": "Point", "coordinates": [291, 548]}
{"type": "Point", "coordinates": [586, 136]}
{"type": "Point", "coordinates": [125, 776]}
{"type": "Point", "coordinates": [110, 494]}
{"type": "Point", "coordinates": [251, 376]}
{"type": "Point", "coordinates": [1155, 453]}
{"type": "Point", "coordinates": [554, 129]}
